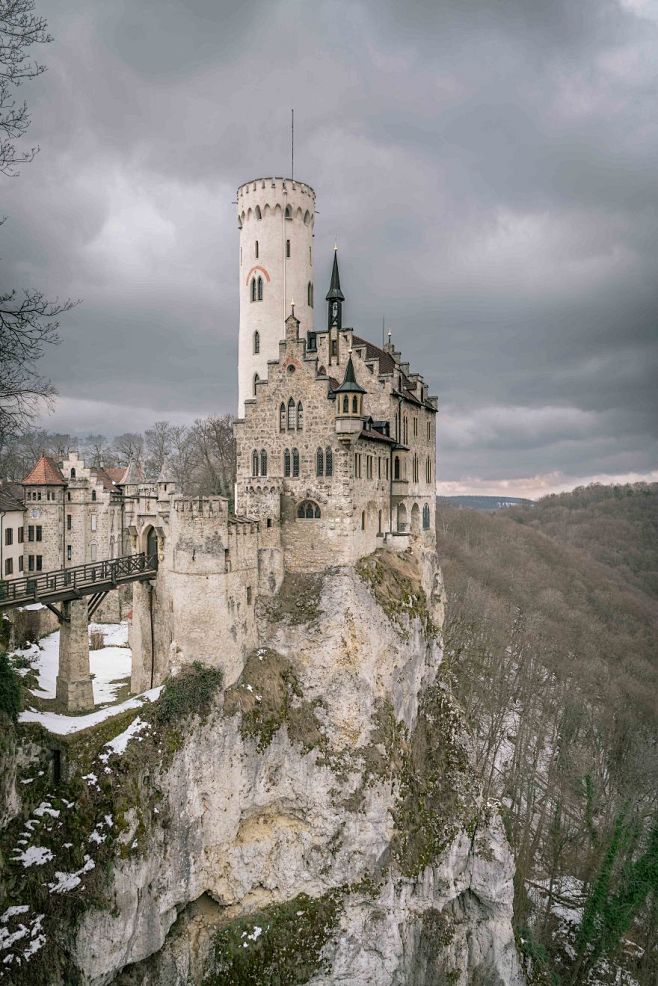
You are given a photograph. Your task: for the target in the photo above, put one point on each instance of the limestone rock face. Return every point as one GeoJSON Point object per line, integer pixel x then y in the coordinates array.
{"type": "Point", "coordinates": [329, 791]}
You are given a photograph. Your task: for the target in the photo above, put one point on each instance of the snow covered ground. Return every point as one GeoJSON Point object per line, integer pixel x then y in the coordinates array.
{"type": "Point", "coordinates": [110, 667]}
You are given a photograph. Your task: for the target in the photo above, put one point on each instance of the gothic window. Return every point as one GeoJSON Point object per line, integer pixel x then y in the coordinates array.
{"type": "Point", "coordinates": [256, 379]}
{"type": "Point", "coordinates": [329, 462]}
{"type": "Point", "coordinates": [72, 473]}
{"type": "Point", "coordinates": [346, 404]}
{"type": "Point", "coordinates": [282, 416]}
{"type": "Point", "coordinates": [288, 212]}
{"type": "Point", "coordinates": [93, 495]}
{"type": "Point", "coordinates": [291, 415]}
{"type": "Point", "coordinates": [254, 463]}
{"type": "Point", "coordinates": [426, 517]}
{"type": "Point", "coordinates": [260, 288]}
{"type": "Point", "coordinates": [396, 467]}
{"type": "Point", "coordinates": [254, 289]}
{"type": "Point", "coordinates": [300, 416]}
{"type": "Point", "coordinates": [256, 246]}
{"type": "Point", "coordinates": [415, 468]}
{"type": "Point", "coordinates": [295, 462]}
{"type": "Point", "coordinates": [287, 248]}
{"type": "Point", "coordinates": [309, 294]}
{"type": "Point", "coordinates": [258, 213]}
{"type": "Point", "coordinates": [307, 510]}
{"type": "Point", "coordinates": [319, 462]}
{"type": "Point", "coordinates": [263, 462]}
{"type": "Point", "coordinates": [355, 405]}
{"type": "Point", "coordinates": [286, 462]}
{"type": "Point", "coordinates": [256, 341]}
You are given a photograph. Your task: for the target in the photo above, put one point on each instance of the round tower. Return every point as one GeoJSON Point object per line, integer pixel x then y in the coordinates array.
{"type": "Point", "coordinates": [276, 218]}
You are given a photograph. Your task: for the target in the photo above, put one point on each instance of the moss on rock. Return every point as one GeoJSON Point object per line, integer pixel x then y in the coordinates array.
{"type": "Point", "coordinates": [395, 582]}
{"type": "Point", "coordinates": [437, 790]}
{"type": "Point", "coordinates": [280, 944]}
{"type": "Point", "coordinates": [297, 601]}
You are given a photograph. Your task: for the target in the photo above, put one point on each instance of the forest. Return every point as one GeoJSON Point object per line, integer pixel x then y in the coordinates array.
{"type": "Point", "coordinates": [551, 647]}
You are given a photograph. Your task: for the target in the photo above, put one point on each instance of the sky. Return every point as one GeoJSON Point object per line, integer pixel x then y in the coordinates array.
{"type": "Point", "coordinates": [489, 169]}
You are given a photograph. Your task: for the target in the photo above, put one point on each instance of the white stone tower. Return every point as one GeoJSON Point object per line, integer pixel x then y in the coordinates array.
{"type": "Point", "coordinates": [276, 217]}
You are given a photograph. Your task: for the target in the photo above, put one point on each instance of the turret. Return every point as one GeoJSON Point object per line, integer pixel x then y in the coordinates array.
{"type": "Point", "coordinates": [335, 298]}
{"type": "Point", "coordinates": [275, 218]}
{"type": "Point", "coordinates": [166, 481]}
{"type": "Point", "coordinates": [349, 403]}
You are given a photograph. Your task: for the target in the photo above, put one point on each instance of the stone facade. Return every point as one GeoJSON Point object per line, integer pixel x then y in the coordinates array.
{"type": "Point", "coordinates": [74, 515]}
{"type": "Point", "coordinates": [276, 218]}
{"type": "Point", "coordinates": [12, 532]}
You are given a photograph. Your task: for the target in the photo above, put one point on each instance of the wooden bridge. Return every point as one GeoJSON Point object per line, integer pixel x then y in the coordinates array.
{"type": "Point", "coordinates": [66, 584]}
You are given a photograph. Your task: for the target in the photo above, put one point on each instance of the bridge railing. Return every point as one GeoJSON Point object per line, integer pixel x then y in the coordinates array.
{"type": "Point", "coordinates": [113, 570]}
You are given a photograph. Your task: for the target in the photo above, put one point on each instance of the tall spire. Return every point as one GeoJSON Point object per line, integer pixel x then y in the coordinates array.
{"type": "Point", "coordinates": [335, 298]}
{"type": "Point", "coordinates": [334, 288]}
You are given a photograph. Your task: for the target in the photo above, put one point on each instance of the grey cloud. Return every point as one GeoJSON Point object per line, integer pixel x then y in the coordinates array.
{"type": "Point", "coordinates": [489, 169]}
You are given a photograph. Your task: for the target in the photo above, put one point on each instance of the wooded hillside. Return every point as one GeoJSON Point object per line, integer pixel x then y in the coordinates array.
{"type": "Point", "coordinates": [551, 646]}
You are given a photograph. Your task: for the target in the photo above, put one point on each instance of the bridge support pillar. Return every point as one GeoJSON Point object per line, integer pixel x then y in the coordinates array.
{"type": "Point", "coordinates": [74, 689]}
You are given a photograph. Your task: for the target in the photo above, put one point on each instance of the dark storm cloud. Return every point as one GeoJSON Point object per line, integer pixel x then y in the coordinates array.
{"type": "Point", "coordinates": [488, 167]}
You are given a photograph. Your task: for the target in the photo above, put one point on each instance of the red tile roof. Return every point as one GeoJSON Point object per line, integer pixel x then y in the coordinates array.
{"type": "Point", "coordinates": [45, 473]}
{"type": "Point", "coordinates": [114, 472]}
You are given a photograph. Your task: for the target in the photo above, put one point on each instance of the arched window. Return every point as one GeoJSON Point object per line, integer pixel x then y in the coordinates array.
{"type": "Point", "coordinates": [256, 341]}
{"type": "Point", "coordinates": [93, 494]}
{"type": "Point", "coordinates": [307, 510]}
{"type": "Point", "coordinates": [355, 405]}
{"type": "Point", "coordinates": [256, 249]}
{"type": "Point", "coordinates": [263, 462]}
{"type": "Point", "coordinates": [256, 379]}
{"type": "Point", "coordinates": [291, 415]}
{"type": "Point", "coordinates": [288, 212]}
{"type": "Point", "coordinates": [319, 462]}
{"type": "Point", "coordinates": [396, 467]}
{"type": "Point", "coordinates": [329, 462]}
{"type": "Point", "coordinates": [286, 462]}
{"type": "Point", "coordinates": [258, 213]}
{"type": "Point", "coordinates": [254, 463]}
{"type": "Point", "coordinates": [346, 404]}
{"type": "Point", "coordinates": [282, 416]}
{"type": "Point", "coordinates": [295, 462]}
{"type": "Point", "coordinates": [426, 517]}
{"type": "Point", "coordinates": [254, 289]}
{"type": "Point", "coordinates": [72, 473]}
{"type": "Point", "coordinates": [260, 288]}
{"type": "Point", "coordinates": [300, 416]}
{"type": "Point", "coordinates": [309, 294]}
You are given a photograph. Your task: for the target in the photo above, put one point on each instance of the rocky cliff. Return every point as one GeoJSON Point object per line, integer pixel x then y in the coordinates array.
{"type": "Point", "coordinates": [316, 822]}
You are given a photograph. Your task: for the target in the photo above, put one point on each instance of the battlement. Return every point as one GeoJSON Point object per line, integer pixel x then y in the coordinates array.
{"type": "Point", "coordinates": [276, 197]}
{"type": "Point", "coordinates": [215, 507]}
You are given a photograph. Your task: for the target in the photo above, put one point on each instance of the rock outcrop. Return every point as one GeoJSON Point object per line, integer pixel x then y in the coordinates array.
{"type": "Point", "coordinates": [318, 820]}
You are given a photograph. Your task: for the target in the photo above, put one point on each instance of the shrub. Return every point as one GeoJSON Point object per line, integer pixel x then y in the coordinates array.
{"type": "Point", "coordinates": [192, 691]}
{"type": "Point", "coordinates": [96, 640]}
{"type": "Point", "coordinates": [10, 689]}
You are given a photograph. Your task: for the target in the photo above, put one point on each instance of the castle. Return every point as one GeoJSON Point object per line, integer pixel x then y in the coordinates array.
{"type": "Point", "coordinates": [336, 457]}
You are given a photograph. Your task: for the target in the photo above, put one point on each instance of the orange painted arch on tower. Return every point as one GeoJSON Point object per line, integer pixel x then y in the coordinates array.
{"type": "Point", "coordinates": [253, 270]}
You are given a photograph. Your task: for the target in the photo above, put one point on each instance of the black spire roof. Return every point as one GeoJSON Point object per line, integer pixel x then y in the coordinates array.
{"type": "Point", "coordinates": [349, 384]}
{"type": "Point", "coordinates": [334, 293]}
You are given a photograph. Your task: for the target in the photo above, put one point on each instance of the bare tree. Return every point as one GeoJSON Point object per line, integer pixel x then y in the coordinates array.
{"type": "Point", "coordinates": [20, 28]}
{"type": "Point", "coordinates": [28, 321]}
{"type": "Point", "coordinates": [128, 447]}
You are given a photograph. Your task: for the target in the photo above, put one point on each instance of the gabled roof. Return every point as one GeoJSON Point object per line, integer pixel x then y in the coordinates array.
{"type": "Point", "coordinates": [101, 476]}
{"type": "Point", "coordinates": [133, 475]}
{"type": "Point", "coordinates": [9, 502]}
{"type": "Point", "coordinates": [166, 473]}
{"type": "Point", "coordinates": [45, 473]}
{"type": "Point", "coordinates": [386, 361]}
{"type": "Point", "coordinates": [115, 473]}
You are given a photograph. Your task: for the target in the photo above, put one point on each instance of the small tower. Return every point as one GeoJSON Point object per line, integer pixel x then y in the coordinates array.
{"type": "Point", "coordinates": [166, 481]}
{"type": "Point", "coordinates": [275, 218]}
{"type": "Point", "coordinates": [349, 403]}
{"type": "Point", "coordinates": [335, 297]}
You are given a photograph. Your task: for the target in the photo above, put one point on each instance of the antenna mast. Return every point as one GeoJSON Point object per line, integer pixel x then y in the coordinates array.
{"type": "Point", "coordinates": [292, 144]}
